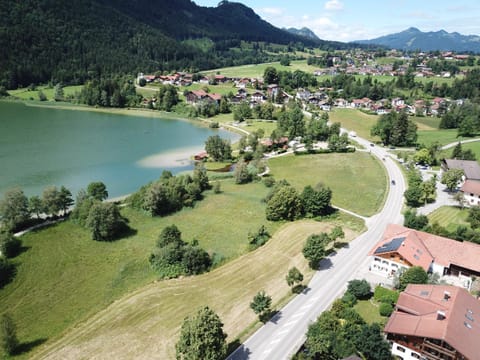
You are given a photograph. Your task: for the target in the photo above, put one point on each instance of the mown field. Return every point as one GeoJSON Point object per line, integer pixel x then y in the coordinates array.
{"type": "Point", "coordinates": [65, 279]}
{"type": "Point", "coordinates": [358, 181]}
{"type": "Point", "coordinates": [27, 94]}
{"type": "Point", "coordinates": [147, 321]}
{"type": "Point", "coordinates": [355, 120]}
{"type": "Point", "coordinates": [257, 70]}
{"type": "Point", "coordinates": [449, 217]}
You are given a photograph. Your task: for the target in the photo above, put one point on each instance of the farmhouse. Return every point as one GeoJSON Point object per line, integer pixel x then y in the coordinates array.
{"type": "Point", "coordinates": [435, 322]}
{"type": "Point", "coordinates": [199, 96]}
{"type": "Point", "coordinates": [400, 248]}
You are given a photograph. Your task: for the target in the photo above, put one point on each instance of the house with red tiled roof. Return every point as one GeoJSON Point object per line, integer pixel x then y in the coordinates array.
{"type": "Point", "coordinates": [471, 192]}
{"type": "Point", "coordinates": [401, 248]}
{"type": "Point", "coordinates": [435, 322]}
{"type": "Point", "coordinates": [195, 97]}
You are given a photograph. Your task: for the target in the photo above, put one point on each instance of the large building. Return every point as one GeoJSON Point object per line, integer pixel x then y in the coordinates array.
{"type": "Point", "coordinates": [435, 322]}
{"type": "Point", "coordinates": [400, 248]}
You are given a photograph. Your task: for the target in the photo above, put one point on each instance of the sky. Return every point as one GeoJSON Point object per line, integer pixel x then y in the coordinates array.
{"type": "Point", "coordinates": [348, 20]}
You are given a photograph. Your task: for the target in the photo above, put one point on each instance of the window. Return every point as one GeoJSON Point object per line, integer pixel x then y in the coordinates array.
{"type": "Point", "coordinates": [400, 348]}
{"type": "Point", "coordinates": [415, 355]}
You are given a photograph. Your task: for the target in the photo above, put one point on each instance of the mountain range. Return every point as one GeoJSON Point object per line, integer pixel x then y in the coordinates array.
{"type": "Point", "coordinates": [305, 32]}
{"type": "Point", "coordinates": [70, 42]}
{"type": "Point", "coordinates": [414, 39]}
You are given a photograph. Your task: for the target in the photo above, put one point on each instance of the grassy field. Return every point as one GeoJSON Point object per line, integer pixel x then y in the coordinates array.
{"type": "Point", "coordinates": [64, 277]}
{"type": "Point", "coordinates": [449, 217]}
{"type": "Point", "coordinates": [427, 123]}
{"type": "Point", "coordinates": [444, 137]}
{"type": "Point", "coordinates": [27, 94]}
{"type": "Point", "coordinates": [355, 120]}
{"type": "Point", "coordinates": [147, 321]}
{"type": "Point", "coordinates": [474, 146]}
{"type": "Point", "coordinates": [342, 173]}
{"type": "Point", "coordinates": [257, 70]}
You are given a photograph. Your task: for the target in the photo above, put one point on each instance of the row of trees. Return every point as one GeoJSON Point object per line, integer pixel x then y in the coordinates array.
{"type": "Point", "coordinates": [285, 203]}
{"type": "Point", "coordinates": [171, 193]}
{"type": "Point", "coordinates": [419, 192]}
{"type": "Point", "coordinates": [464, 117]}
{"type": "Point", "coordinates": [16, 209]}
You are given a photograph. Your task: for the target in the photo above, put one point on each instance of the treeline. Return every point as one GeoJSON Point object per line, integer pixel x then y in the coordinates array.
{"type": "Point", "coordinates": [103, 39]}
{"type": "Point", "coordinates": [464, 117]}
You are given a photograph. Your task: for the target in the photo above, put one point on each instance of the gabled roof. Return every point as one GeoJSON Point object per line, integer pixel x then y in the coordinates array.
{"type": "Point", "coordinates": [420, 248]}
{"type": "Point", "coordinates": [470, 168]}
{"type": "Point", "coordinates": [471, 187]}
{"type": "Point", "coordinates": [442, 312]}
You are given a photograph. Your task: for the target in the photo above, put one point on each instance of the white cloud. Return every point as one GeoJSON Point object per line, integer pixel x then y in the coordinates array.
{"type": "Point", "coordinates": [334, 5]}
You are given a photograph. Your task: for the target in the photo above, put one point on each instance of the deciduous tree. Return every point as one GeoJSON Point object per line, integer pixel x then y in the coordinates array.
{"type": "Point", "coordinates": [202, 337]}
{"type": "Point", "coordinates": [97, 190]}
{"type": "Point", "coordinates": [261, 305]}
{"type": "Point", "coordinates": [14, 208]}
{"type": "Point", "coordinates": [8, 334]}
{"type": "Point", "coordinates": [314, 249]}
{"type": "Point", "coordinates": [294, 276]}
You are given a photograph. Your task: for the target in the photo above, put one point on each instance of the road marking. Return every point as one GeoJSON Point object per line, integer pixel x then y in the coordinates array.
{"type": "Point", "coordinates": [274, 341]}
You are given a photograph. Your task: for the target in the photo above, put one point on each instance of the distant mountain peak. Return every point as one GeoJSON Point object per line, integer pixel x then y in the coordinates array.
{"type": "Point", "coordinates": [304, 31]}
{"type": "Point", "coordinates": [414, 39]}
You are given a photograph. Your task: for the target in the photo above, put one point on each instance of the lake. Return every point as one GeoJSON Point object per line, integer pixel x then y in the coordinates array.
{"type": "Point", "coordinates": [43, 146]}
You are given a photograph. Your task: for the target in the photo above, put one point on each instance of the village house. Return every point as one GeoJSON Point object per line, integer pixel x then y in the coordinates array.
{"type": "Point", "coordinates": [401, 248]}
{"type": "Point", "coordinates": [196, 97]}
{"type": "Point", "coordinates": [435, 322]}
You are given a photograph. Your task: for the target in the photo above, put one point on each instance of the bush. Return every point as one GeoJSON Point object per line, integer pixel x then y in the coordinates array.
{"type": "Point", "coordinates": [385, 295]}
{"type": "Point", "coordinates": [10, 246]}
{"type": "Point", "coordinates": [349, 299]}
{"type": "Point", "coordinates": [359, 288]}
{"type": "Point", "coordinates": [268, 181]}
{"type": "Point", "coordinates": [385, 309]}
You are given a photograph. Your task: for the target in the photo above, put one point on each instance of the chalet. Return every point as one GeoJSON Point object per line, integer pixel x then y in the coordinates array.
{"type": "Point", "coordinates": [470, 168]}
{"type": "Point", "coordinates": [221, 79]}
{"type": "Point", "coordinates": [471, 192]}
{"type": "Point", "coordinates": [401, 248]}
{"type": "Point", "coordinates": [200, 156]}
{"type": "Point", "coordinates": [341, 103]}
{"type": "Point", "coordinates": [196, 97]}
{"type": "Point", "coordinates": [258, 97]}
{"type": "Point", "coordinates": [435, 322]}
{"type": "Point", "coordinates": [397, 102]}
{"type": "Point", "coordinates": [273, 90]}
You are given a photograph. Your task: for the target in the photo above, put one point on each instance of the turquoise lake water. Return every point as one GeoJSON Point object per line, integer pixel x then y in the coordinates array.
{"type": "Point", "coordinates": [41, 146]}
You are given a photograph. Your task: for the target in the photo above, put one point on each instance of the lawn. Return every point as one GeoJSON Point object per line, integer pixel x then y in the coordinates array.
{"type": "Point", "coordinates": [357, 180]}
{"type": "Point", "coordinates": [64, 277]}
{"type": "Point", "coordinates": [27, 94]}
{"type": "Point", "coordinates": [257, 70]}
{"type": "Point", "coordinates": [449, 217]}
{"type": "Point", "coordinates": [368, 310]}
{"type": "Point", "coordinates": [355, 120]}
{"type": "Point", "coordinates": [146, 322]}
{"type": "Point", "coordinates": [444, 137]}
{"type": "Point", "coordinates": [474, 146]}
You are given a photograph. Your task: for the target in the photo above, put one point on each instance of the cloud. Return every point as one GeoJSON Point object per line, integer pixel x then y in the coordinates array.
{"type": "Point", "coordinates": [334, 5]}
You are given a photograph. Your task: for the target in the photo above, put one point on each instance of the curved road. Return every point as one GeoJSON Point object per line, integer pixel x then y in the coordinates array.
{"type": "Point", "coordinates": [283, 335]}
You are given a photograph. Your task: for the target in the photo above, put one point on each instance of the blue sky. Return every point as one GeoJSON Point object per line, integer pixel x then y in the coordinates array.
{"type": "Point", "coordinates": [347, 20]}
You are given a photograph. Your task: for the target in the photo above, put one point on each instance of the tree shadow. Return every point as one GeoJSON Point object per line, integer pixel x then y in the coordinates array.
{"type": "Point", "coordinates": [341, 244]}
{"type": "Point", "coordinates": [306, 290]}
{"type": "Point", "coordinates": [267, 316]}
{"type": "Point", "coordinates": [297, 289]}
{"type": "Point", "coordinates": [325, 263]}
{"type": "Point", "coordinates": [27, 346]}
{"type": "Point", "coordinates": [275, 316]}
{"type": "Point", "coordinates": [240, 350]}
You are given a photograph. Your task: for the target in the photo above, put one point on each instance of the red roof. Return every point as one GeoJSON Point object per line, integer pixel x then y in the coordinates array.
{"type": "Point", "coordinates": [420, 248]}
{"type": "Point", "coordinates": [471, 187]}
{"type": "Point", "coordinates": [442, 312]}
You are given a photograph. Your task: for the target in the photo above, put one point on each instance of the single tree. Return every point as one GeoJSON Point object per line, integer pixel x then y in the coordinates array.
{"type": "Point", "coordinates": [202, 337]}
{"type": "Point", "coordinates": [35, 205]}
{"type": "Point", "coordinates": [294, 277]}
{"type": "Point", "coordinates": [359, 288]}
{"type": "Point", "coordinates": [52, 201]}
{"type": "Point", "coordinates": [10, 245]}
{"type": "Point", "coordinates": [8, 334]}
{"type": "Point", "coordinates": [97, 190]}
{"type": "Point", "coordinates": [460, 198]}
{"type": "Point", "coordinates": [451, 178]}
{"type": "Point", "coordinates": [14, 208]}
{"type": "Point", "coordinates": [413, 275]}
{"type": "Point", "coordinates": [335, 234]}
{"type": "Point", "coordinates": [314, 249]}
{"type": "Point", "coordinates": [473, 217]}
{"type": "Point", "coordinates": [104, 221]}
{"type": "Point", "coordinates": [170, 235]}
{"type": "Point", "coordinates": [217, 189]}
{"type": "Point", "coordinates": [261, 305]}
{"type": "Point", "coordinates": [285, 204]}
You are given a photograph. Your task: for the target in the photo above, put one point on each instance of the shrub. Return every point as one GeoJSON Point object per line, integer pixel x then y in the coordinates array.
{"type": "Point", "coordinates": [349, 299]}
{"type": "Point", "coordinates": [385, 309]}
{"type": "Point", "coordinates": [359, 288]}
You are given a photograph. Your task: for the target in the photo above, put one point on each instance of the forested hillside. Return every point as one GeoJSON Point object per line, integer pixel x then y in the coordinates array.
{"type": "Point", "coordinates": [69, 42]}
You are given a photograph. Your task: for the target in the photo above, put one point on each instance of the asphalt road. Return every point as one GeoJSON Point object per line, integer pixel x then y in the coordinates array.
{"type": "Point", "coordinates": [283, 335]}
